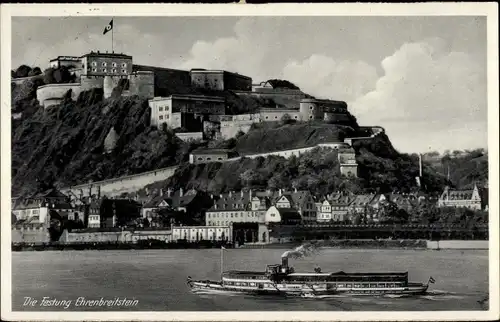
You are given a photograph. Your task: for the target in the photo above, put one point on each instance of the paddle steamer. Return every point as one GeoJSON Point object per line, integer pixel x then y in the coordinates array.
{"type": "Point", "coordinates": [280, 279]}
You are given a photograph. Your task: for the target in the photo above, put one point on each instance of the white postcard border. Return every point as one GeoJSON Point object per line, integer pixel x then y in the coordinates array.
{"type": "Point", "coordinates": [403, 9]}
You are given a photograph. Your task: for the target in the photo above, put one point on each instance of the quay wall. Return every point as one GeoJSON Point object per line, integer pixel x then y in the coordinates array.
{"type": "Point", "coordinates": [126, 236]}
{"type": "Point", "coordinates": [458, 244]}
{"type": "Point", "coordinates": [30, 235]}
{"type": "Point", "coordinates": [116, 186]}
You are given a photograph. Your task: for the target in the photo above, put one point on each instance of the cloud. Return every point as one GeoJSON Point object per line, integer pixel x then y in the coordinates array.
{"type": "Point", "coordinates": [324, 77]}
{"type": "Point", "coordinates": [248, 52]}
{"type": "Point", "coordinates": [428, 98]}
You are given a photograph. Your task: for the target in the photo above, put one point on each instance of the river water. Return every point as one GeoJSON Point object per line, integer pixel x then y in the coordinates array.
{"type": "Point", "coordinates": [156, 279]}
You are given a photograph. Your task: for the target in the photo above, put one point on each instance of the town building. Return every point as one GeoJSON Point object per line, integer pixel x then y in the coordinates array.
{"type": "Point", "coordinates": [238, 207]}
{"type": "Point", "coordinates": [66, 61]}
{"type": "Point", "coordinates": [200, 156]}
{"type": "Point", "coordinates": [404, 201]}
{"type": "Point", "coordinates": [243, 211]}
{"type": "Point", "coordinates": [302, 201]}
{"type": "Point", "coordinates": [106, 64]}
{"type": "Point", "coordinates": [360, 206]}
{"type": "Point", "coordinates": [475, 199]}
{"type": "Point", "coordinates": [193, 203]}
{"type": "Point", "coordinates": [220, 80]}
{"type": "Point", "coordinates": [188, 111]}
{"type": "Point", "coordinates": [347, 161]}
{"type": "Point", "coordinates": [199, 233]}
{"type": "Point", "coordinates": [41, 207]}
{"type": "Point", "coordinates": [110, 213]}
{"type": "Point", "coordinates": [335, 208]}
{"type": "Point", "coordinates": [284, 216]}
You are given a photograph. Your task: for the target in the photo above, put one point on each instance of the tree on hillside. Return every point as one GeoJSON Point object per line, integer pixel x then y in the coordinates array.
{"type": "Point", "coordinates": [35, 71]}
{"type": "Point", "coordinates": [58, 75]}
{"type": "Point", "coordinates": [251, 178]}
{"type": "Point", "coordinates": [280, 83]}
{"type": "Point", "coordinates": [22, 71]}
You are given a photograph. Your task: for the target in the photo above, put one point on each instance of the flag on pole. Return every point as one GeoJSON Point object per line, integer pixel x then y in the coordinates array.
{"type": "Point", "coordinates": [222, 247]}
{"type": "Point", "coordinates": [432, 280]}
{"type": "Point", "coordinates": [108, 27]}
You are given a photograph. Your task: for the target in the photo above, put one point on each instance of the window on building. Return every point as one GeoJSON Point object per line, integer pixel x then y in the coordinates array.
{"type": "Point", "coordinates": [104, 70]}
{"type": "Point", "coordinates": [94, 69]}
{"type": "Point", "coordinates": [94, 63]}
{"type": "Point", "coordinates": [124, 65]}
{"type": "Point", "coordinates": [160, 108]}
{"type": "Point", "coordinates": [124, 71]}
{"type": "Point", "coordinates": [114, 70]}
{"type": "Point", "coordinates": [161, 117]}
{"type": "Point", "coordinates": [113, 64]}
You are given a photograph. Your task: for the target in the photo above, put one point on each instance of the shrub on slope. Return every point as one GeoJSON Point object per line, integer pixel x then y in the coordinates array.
{"type": "Point", "coordinates": [265, 138]}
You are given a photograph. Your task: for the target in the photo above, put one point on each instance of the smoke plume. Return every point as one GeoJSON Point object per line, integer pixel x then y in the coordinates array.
{"type": "Point", "coordinates": [301, 251]}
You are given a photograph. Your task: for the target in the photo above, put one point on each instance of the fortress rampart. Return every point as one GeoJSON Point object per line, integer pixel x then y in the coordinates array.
{"type": "Point", "coordinates": [56, 91]}
{"type": "Point", "coordinates": [89, 82]}
{"type": "Point", "coordinates": [19, 81]}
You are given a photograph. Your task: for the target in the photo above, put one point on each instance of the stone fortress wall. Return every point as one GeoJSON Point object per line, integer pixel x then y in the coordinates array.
{"type": "Point", "coordinates": [48, 94]}
{"type": "Point", "coordinates": [140, 83]}
{"type": "Point", "coordinates": [116, 186]}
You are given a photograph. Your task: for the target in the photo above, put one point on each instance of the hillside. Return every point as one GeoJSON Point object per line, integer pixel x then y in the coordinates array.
{"type": "Point", "coordinates": [465, 167]}
{"type": "Point", "coordinates": [64, 145]}
{"type": "Point", "coordinates": [381, 169]}
{"type": "Point", "coordinates": [273, 137]}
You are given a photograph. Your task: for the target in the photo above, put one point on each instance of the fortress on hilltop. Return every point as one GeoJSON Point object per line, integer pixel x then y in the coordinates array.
{"type": "Point", "coordinates": [196, 104]}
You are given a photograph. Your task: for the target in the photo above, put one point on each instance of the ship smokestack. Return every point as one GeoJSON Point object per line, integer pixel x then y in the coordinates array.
{"type": "Point", "coordinates": [284, 262]}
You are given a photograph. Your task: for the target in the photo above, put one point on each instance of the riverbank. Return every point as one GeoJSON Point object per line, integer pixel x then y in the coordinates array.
{"type": "Point", "coordinates": [338, 244]}
{"type": "Point", "coordinates": [383, 244]}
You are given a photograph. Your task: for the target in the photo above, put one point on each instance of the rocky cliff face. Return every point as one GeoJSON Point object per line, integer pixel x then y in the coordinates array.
{"type": "Point", "coordinates": [65, 144]}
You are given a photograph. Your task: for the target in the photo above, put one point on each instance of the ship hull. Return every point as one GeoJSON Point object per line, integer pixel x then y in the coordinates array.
{"type": "Point", "coordinates": [311, 290]}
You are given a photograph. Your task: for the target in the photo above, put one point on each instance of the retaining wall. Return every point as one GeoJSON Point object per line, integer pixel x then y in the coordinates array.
{"type": "Point", "coordinates": [190, 136]}
{"type": "Point", "coordinates": [116, 186]}
{"type": "Point", "coordinates": [19, 81]}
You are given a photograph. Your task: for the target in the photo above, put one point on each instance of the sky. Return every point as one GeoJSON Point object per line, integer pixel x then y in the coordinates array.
{"type": "Point", "coordinates": [421, 78]}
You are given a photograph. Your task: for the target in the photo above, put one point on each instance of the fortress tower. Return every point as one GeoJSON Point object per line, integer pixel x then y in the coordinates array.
{"type": "Point", "coordinates": [310, 109]}
{"type": "Point", "coordinates": [142, 83]}
{"type": "Point", "coordinates": [347, 161]}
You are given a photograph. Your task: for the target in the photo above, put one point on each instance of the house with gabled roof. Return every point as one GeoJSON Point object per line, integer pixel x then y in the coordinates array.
{"type": "Point", "coordinates": [335, 207]}
{"type": "Point", "coordinates": [37, 208]}
{"type": "Point", "coordinates": [238, 207]}
{"type": "Point", "coordinates": [301, 200]}
{"type": "Point", "coordinates": [472, 198]}
{"type": "Point", "coordinates": [193, 203]}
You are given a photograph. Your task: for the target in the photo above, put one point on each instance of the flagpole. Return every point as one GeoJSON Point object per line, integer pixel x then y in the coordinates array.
{"type": "Point", "coordinates": [113, 36]}
{"type": "Point", "coordinates": [221, 261]}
